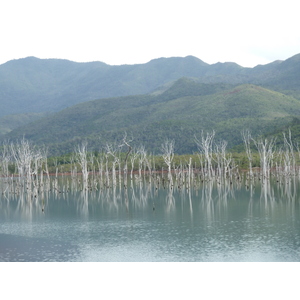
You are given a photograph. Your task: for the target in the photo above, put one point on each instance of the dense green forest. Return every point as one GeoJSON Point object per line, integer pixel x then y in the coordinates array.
{"type": "Point", "coordinates": [167, 98]}
{"type": "Point", "coordinates": [180, 113]}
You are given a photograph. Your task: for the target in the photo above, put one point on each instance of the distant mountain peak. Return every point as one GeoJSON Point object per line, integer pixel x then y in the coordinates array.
{"type": "Point", "coordinates": [179, 58]}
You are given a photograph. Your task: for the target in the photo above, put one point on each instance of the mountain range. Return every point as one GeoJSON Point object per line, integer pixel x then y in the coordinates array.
{"type": "Point", "coordinates": [58, 102]}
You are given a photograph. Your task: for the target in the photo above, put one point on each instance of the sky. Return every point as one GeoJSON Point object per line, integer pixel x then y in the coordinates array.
{"type": "Point", "coordinates": [130, 32]}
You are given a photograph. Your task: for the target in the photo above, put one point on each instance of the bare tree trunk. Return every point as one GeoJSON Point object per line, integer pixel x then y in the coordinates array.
{"type": "Point", "coordinates": [266, 154]}
{"type": "Point", "coordinates": [81, 155]}
{"type": "Point", "coordinates": [289, 156]}
{"type": "Point", "coordinates": [205, 147]}
{"type": "Point", "coordinates": [112, 151]}
{"type": "Point", "coordinates": [26, 156]}
{"type": "Point", "coordinates": [247, 141]}
{"type": "Point", "coordinates": [168, 154]}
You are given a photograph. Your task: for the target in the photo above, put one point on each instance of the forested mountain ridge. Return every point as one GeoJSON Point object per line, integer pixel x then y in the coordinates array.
{"type": "Point", "coordinates": [180, 112]}
{"type": "Point", "coordinates": [48, 85]}
{"type": "Point", "coordinates": [164, 98]}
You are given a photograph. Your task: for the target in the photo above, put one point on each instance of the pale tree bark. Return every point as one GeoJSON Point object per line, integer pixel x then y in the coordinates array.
{"type": "Point", "coordinates": [126, 143]}
{"type": "Point", "coordinates": [223, 160]}
{"type": "Point", "coordinates": [167, 149]}
{"type": "Point", "coordinates": [289, 156]}
{"type": "Point", "coordinates": [27, 158]}
{"type": "Point", "coordinates": [205, 146]}
{"type": "Point", "coordinates": [142, 158]}
{"type": "Point", "coordinates": [82, 158]}
{"type": "Point", "coordinates": [5, 160]}
{"type": "Point", "coordinates": [266, 154]}
{"type": "Point", "coordinates": [246, 134]}
{"type": "Point", "coordinates": [133, 158]}
{"type": "Point", "coordinates": [112, 151]}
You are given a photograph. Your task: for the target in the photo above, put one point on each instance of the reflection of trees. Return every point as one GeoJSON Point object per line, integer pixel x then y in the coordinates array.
{"type": "Point", "coordinates": [215, 198]}
{"type": "Point", "coordinates": [214, 195]}
{"type": "Point", "coordinates": [277, 193]}
{"type": "Point", "coordinates": [83, 203]}
{"type": "Point", "coordinates": [224, 190]}
{"type": "Point", "coordinates": [25, 205]}
{"type": "Point", "coordinates": [190, 202]}
{"type": "Point", "coordinates": [207, 201]}
{"type": "Point", "coordinates": [170, 199]}
{"type": "Point", "coordinates": [287, 188]}
{"type": "Point", "coordinates": [267, 192]}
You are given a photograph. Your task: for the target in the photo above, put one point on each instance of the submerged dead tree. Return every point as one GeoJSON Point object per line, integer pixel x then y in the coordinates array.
{"type": "Point", "coordinates": [82, 159]}
{"type": "Point", "coordinates": [133, 157]}
{"type": "Point", "coordinates": [141, 160]}
{"type": "Point", "coordinates": [247, 142]}
{"type": "Point", "coordinates": [205, 147]}
{"type": "Point", "coordinates": [5, 160]}
{"type": "Point", "coordinates": [114, 162]}
{"type": "Point", "coordinates": [129, 149]}
{"type": "Point", "coordinates": [112, 151]}
{"type": "Point", "coordinates": [167, 149]}
{"type": "Point", "coordinates": [288, 155]}
{"type": "Point", "coordinates": [27, 158]}
{"type": "Point", "coordinates": [223, 160]}
{"type": "Point", "coordinates": [265, 150]}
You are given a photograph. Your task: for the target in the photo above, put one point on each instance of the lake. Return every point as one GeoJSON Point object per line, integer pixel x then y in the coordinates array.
{"type": "Point", "coordinates": [207, 223]}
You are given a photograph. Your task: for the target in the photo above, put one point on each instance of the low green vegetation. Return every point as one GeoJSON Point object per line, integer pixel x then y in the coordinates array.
{"type": "Point", "coordinates": [64, 163]}
{"type": "Point", "coordinates": [11, 122]}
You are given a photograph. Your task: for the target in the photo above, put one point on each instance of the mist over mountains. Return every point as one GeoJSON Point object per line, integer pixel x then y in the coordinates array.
{"type": "Point", "coordinates": [59, 102]}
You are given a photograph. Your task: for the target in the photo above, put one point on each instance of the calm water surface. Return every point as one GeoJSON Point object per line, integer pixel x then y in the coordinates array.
{"type": "Point", "coordinates": [208, 223]}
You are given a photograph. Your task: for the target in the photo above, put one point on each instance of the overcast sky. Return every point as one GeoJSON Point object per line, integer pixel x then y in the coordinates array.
{"type": "Point", "coordinates": [129, 31]}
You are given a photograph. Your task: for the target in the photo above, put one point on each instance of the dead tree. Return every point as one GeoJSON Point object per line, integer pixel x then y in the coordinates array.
{"type": "Point", "coordinates": [247, 142]}
{"type": "Point", "coordinates": [205, 146]}
{"type": "Point", "coordinates": [126, 143]}
{"type": "Point", "coordinates": [289, 156]}
{"type": "Point", "coordinates": [112, 151]}
{"type": "Point", "coordinates": [266, 154]}
{"type": "Point", "coordinates": [133, 157]}
{"type": "Point", "coordinates": [82, 158]}
{"type": "Point", "coordinates": [168, 154]}
{"type": "Point", "coordinates": [5, 160]}
{"type": "Point", "coordinates": [27, 158]}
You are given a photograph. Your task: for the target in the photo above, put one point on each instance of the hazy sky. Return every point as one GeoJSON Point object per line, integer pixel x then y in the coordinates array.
{"type": "Point", "coordinates": [129, 31]}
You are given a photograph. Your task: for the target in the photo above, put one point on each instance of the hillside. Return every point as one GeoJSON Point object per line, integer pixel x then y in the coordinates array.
{"type": "Point", "coordinates": [33, 85]}
{"type": "Point", "coordinates": [179, 113]}
{"type": "Point", "coordinates": [8, 123]}
{"type": "Point", "coordinates": [39, 85]}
